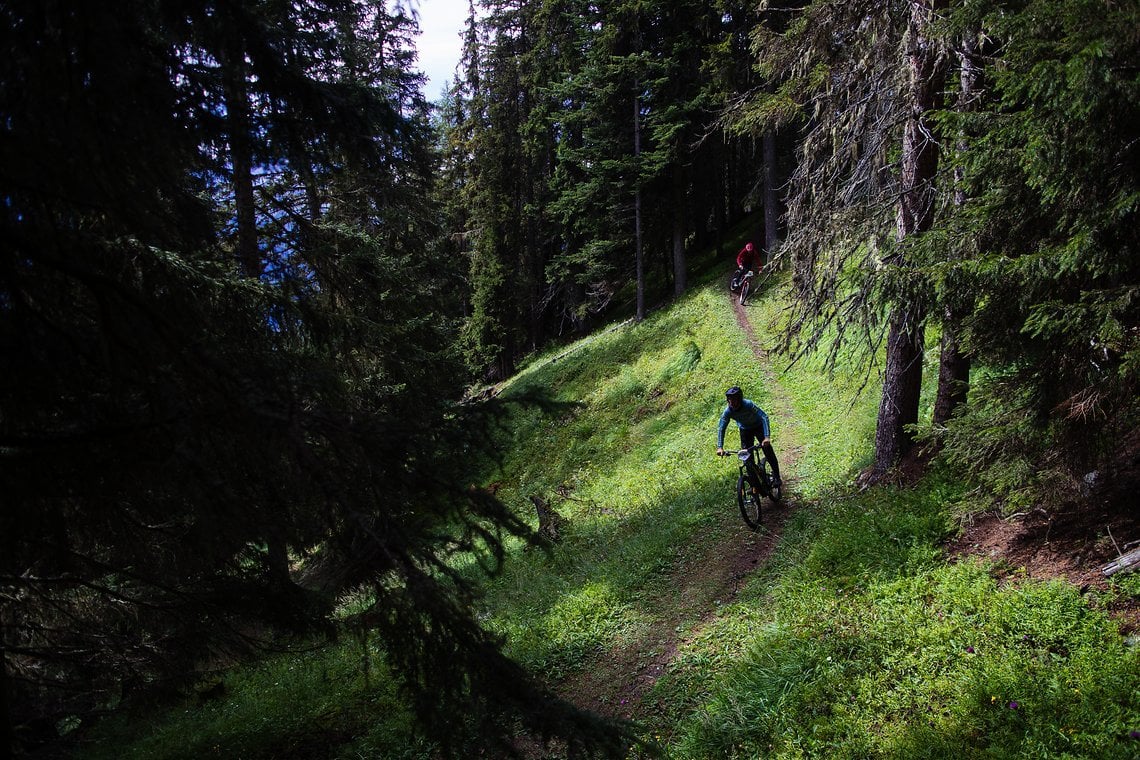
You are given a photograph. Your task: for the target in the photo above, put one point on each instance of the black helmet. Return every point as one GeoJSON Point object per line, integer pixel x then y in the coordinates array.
{"type": "Point", "coordinates": [734, 392]}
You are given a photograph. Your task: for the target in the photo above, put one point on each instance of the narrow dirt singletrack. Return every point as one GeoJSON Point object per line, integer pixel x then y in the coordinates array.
{"type": "Point", "coordinates": [617, 681]}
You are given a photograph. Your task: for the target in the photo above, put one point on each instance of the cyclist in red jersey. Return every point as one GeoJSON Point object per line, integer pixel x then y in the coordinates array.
{"type": "Point", "coordinates": [747, 259]}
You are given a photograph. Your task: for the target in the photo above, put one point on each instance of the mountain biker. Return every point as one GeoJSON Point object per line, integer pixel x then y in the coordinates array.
{"type": "Point", "coordinates": [753, 424]}
{"type": "Point", "coordinates": [747, 259]}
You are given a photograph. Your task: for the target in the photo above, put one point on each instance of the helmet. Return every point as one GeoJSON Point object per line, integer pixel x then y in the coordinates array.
{"type": "Point", "coordinates": [734, 392]}
{"type": "Point", "coordinates": [748, 247]}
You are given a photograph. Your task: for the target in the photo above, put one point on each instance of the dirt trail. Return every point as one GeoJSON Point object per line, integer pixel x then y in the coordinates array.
{"type": "Point", "coordinates": [617, 681]}
{"type": "Point", "coordinates": [1070, 543]}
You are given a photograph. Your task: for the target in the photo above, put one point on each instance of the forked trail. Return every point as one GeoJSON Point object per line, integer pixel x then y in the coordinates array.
{"type": "Point", "coordinates": [617, 681]}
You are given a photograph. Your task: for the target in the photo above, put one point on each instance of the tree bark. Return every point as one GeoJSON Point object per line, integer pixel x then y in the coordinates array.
{"type": "Point", "coordinates": [241, 159]}
{"type": "Point", "coordinates": [639, 256]}
{"type": "Point", "coordinates": [954, 364]}
{"type": "Point", "coordinates": [680, 281]}
{"type": "Point", "coordinates": [1124, 563]}
{"type": "Point", "coordinates": [953, 371]}
{"type": "Point", "coordinates": [902, 381]}
{"type": "Point", "coordinates": [771, 212]}
{"type": "Point", "coordinates": [902, 385]}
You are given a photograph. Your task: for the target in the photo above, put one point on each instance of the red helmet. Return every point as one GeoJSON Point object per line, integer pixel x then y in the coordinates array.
{"type": "Point", "coordinates": [748, 247]}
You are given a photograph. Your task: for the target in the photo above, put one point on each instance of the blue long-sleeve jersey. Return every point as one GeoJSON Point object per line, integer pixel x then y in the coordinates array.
{"type": "Point", "coordinates": [747, 416]}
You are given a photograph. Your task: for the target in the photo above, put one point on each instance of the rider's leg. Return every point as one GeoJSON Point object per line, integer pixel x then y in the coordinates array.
{"type": "Point", "coordinates": [747, 438]}
{"type": "Point", "coordinates": [770, 455]}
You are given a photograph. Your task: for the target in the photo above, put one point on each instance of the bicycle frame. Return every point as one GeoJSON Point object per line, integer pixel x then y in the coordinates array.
{"type": "Point", "coordinates": [753, 485]}
{"type": "Point", "coordinates": [751, 467]}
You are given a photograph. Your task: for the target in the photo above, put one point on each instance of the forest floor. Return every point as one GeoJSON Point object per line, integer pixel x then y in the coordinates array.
{"type": "Point", "coordinates": [1070, 542]}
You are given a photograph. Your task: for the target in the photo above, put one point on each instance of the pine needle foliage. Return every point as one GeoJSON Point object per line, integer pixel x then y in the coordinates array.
{"type": "Point", "coordinates": [224, 403]}
{"type": "Point", "coordinates": [1049, 232]}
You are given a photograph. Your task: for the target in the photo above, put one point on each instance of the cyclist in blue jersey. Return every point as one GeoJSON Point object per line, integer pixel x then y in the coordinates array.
{"type": "Point", "coordinates": [753, 424]}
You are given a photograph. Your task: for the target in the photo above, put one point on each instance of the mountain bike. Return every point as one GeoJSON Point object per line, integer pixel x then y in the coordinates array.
{"type": "Point", "coordinates": [746, 286]}
{"type": "Point", "coordinates": [753, 470]}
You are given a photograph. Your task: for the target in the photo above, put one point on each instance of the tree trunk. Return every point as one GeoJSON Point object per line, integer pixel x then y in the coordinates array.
{"type": "Point", "coordinates": [953, 371]}
{"type": "Point", "coordinates": [771, 212]}
{"type": "Point", "coordinates": [902, 381]}
{"type": "Point", "coordinates": [638, 254]}
{"type": "Point", "coordinates": [954, 365]}
{"type": "Point", "coordinates": [1124, 563]}
{"type": "Point", "coordinates": [679, 276]}
{"type": "Point", "coordinates": [535, 265]}
{"type": "Point", "coordinates": [241, 159]}
{"type": "Point", "coordinates": [902, 385]}
{"type": "Point", "coordinates": [240, 126]}
{"type": "Point", "coordinates": [720, 206]}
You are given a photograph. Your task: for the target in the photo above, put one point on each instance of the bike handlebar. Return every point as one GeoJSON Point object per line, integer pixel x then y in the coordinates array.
{"type": "Point", "coordinates": [738, 452]}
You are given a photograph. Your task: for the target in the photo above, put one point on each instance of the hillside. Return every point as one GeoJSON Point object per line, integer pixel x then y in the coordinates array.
{"type": "Point", "coordinates": [894, 622]}
{"type": "Point", "coordinates": [903, 622]}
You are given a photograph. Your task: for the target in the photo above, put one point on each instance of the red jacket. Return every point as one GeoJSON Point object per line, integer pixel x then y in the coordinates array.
{"type": "Point", "coordinates": [748, 259]}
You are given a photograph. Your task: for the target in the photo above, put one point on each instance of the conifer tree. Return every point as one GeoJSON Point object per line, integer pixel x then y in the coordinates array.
{"type": "Point", "coordinates": [1048, 236]}
{"type": "Point", "coordinates": [171, 420]}
{"type": "Point", "coordinates": [902, 375]}
{"type": "Point", "coordinates": [494, 333]}
{"type": "Point", "coordinates": [863, 77]}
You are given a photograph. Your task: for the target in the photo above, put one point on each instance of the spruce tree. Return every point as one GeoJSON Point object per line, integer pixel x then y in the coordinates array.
{"type": "Point", "coordinates": [1048, 236]}
{"type": "Point", "coordinates": [176, 420]}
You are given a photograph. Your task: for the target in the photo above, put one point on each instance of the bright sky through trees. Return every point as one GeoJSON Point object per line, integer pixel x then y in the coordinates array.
{"type": "Point", "coordinates": [441, 22]}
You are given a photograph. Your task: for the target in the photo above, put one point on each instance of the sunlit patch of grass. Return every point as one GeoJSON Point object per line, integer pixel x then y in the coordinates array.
{"type": "Point", "coordinates": [558, 639]}
{"type": "Point", "coordinates": [834, 410]}
{"type": "Point", "coordinates": [871, 646]}
{"type": "Point", "coordinates": [635, 479]}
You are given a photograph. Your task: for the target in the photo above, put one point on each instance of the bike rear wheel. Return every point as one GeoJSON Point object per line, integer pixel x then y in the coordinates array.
{"type": "Point", "coordinates": [749, 503]}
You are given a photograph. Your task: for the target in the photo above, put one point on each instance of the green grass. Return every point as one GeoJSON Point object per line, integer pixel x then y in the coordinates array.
{"type": "Point", "coordinates": [933, 660]}
{"type": "Point", "coordinates": [855, 639]}
{"type": "Point", "coordinates": [859, 640]}
{"type": "Point", "coordinates": [289, 705]}
{"type": "Point", "coordinates": [634, 461]}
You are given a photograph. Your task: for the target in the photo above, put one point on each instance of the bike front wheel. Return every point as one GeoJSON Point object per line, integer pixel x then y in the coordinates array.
{"type": "Point", "coordinates": [744, 289]}
{"type": "Point", "coordinates": [749, 502]}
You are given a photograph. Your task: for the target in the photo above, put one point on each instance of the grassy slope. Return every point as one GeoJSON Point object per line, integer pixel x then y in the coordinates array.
{"type": "Point", "coordinates": [855, 640]}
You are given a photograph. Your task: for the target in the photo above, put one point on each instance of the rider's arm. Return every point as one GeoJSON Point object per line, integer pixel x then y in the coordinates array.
{"type": "Point", "coordinates": [721, 427]}
{"type": "Point", "coordinates": [764, 422]}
